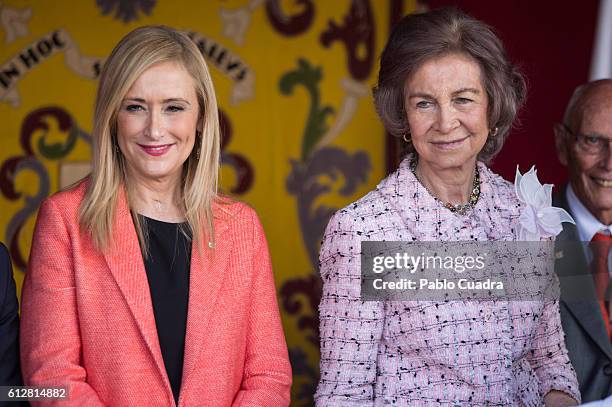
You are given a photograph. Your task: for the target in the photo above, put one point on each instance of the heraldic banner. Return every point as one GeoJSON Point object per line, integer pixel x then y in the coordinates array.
{"type": "Point", "coordinates": [293, 78]}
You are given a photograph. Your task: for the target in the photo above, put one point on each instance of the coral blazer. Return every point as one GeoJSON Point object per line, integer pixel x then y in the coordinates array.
{"type": "Point", "coordinates": [88, 324]}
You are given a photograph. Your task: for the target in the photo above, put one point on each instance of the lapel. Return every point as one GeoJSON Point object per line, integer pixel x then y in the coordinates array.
{"type": "Point", "coordinates": [576, 281]}
{"type": "Point", "coordinates": [206, 275]}
{"type": "Point", "coordinates": [125, 262]}
{"type": "Point", "coordinates": [208, 270]}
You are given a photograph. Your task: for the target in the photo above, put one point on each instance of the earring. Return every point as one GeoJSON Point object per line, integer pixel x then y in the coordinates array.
{"type": "Point", "coordinates": [406, 137]}
{"type": "Point", "coordinates": [494, 131]}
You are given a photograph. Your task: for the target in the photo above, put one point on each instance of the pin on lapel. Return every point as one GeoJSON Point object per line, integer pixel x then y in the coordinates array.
{"type": "Point", "coordinates": [558, 254]}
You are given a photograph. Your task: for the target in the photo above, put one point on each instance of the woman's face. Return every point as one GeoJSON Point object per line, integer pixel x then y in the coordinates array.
{"type": "Point", "coordinates": [157, 122]}
{"type": "Point", "coordinates": [446, 107]}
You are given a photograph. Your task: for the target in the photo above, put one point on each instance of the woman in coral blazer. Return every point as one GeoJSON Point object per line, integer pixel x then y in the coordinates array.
{"type": "Point", "coordinates": [107, 312]}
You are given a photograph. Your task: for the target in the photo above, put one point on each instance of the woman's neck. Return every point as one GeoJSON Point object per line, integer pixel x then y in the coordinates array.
{"type": "Point", "coordinates": [157, 199]}
{"type": "Point", "coordinates": [453, 185]}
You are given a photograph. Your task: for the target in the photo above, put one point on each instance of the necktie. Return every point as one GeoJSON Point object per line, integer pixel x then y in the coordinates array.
{"type": "Point", "coordinates": [600, 247]}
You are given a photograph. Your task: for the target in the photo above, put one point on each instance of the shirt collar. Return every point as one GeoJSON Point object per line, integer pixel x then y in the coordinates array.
{"type": "Point", "coordinates": [588, 225]}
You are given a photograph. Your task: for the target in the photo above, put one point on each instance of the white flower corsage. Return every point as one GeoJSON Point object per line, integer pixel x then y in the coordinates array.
{"type": "Point", "coordinates": [539, 218]}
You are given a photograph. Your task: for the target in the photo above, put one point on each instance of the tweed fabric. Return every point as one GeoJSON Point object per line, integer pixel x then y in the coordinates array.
{"type": "Point", "coordinates": [88, 324]}
{"type": "Point", "coordinates": [409, 353]}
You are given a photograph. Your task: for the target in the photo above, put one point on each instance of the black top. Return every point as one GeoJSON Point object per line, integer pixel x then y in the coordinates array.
{"type": "Point", "coordinates": [167, 269]}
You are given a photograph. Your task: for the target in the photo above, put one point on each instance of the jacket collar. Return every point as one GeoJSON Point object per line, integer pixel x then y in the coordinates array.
{"type": "Point", "coordinates": [206, 279]}
{"type": "Point", "coordinates": [126, 264]}
{"type": "Point", "coordinates": [573, 270]}
{"type": "Point", "coordinates": [408, 198]}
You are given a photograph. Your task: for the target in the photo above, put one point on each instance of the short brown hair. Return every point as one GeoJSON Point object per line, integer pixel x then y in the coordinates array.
{"type": "Point", "coordinates": [420, 37]}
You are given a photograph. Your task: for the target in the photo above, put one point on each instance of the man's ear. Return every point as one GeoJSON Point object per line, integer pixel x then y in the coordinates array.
{"type": "Point", "coordinates": [561, 143]}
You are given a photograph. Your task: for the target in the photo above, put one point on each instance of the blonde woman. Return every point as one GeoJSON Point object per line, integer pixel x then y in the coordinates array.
{"type": "Point", "coordinates": [145, 287]}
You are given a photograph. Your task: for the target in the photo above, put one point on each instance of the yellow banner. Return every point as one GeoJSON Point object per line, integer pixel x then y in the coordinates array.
{"type": "Point", "coordinates": [300, 135]}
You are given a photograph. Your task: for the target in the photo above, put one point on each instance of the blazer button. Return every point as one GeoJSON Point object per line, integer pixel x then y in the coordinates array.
{"type": "Point", "coordinates": [607, 369]}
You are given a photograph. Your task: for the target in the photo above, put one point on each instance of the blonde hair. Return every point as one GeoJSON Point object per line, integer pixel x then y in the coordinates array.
{"type": "Point", "coordinates": [135, 53]}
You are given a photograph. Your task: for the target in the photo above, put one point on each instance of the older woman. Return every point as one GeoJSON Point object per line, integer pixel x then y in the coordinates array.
{"type": "Point", "coordinates": [144, 286]}
{"type": "Point", "coordinates": [446, 87]}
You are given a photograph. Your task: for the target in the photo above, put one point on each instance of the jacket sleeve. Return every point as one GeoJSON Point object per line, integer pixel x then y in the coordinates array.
{"type": "Point", "coordinates": [10, 372]}
{"type": "Point", "coordinates": [548, 356]}
{"type": "Point", "coordinates": [51, 353]}
{"type": "Point", "coordinates": [267, 371]}
{"type": "Point", "coordinates": [350, 329]}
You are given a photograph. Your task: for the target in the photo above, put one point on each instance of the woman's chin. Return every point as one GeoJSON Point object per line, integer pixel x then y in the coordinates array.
{"type": "Point", "coordinates": [447, 159]}
{"type": "Point", "coordinates": [155, 174]}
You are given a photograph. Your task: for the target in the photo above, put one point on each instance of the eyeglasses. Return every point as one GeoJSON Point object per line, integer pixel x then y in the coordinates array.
{"type": "Point", "coordinates": [589, 143]}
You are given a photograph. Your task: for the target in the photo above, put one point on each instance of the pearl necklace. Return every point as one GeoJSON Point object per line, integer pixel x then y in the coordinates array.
{"type": "Point", "coordinates": [461, 209]}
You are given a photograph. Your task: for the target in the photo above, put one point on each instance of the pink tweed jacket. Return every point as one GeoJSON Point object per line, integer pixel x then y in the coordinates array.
{"type": "Point", "coordinates": [88, 324]}
{"type": "Point", "coordinates": [410, 353]}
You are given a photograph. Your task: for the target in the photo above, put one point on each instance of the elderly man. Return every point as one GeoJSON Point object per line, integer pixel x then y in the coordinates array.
{"type": "Point", "coordinates": [583, 144]}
